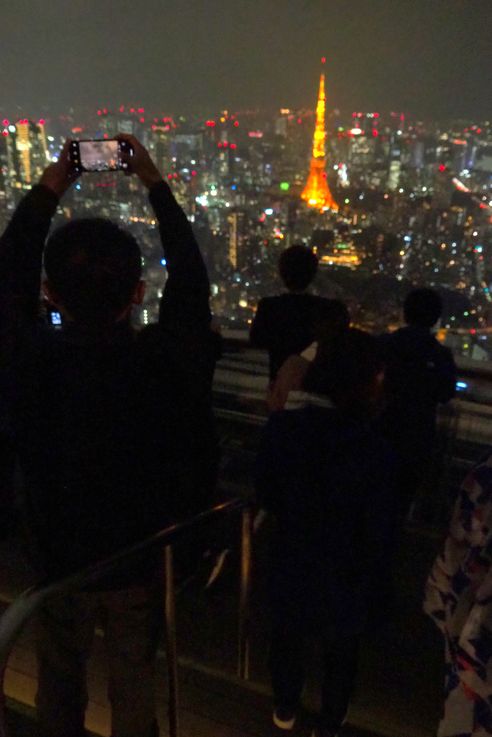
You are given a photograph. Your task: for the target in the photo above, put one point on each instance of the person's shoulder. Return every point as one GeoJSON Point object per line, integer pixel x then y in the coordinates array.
{"type": "Point", "coordinates": [443, 350]}
{"type": "Point", "coordinates": [394, 336]}
{"type": "Point", "coordinates": [319, 299]}
{"type": "Point", "coordinates": [272, 300]}
{"type": "Point", "coordinates": [153, 343]}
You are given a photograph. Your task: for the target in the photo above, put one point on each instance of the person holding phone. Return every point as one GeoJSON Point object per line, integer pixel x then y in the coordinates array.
{"type": "Point", "coordinates": [112, 427]}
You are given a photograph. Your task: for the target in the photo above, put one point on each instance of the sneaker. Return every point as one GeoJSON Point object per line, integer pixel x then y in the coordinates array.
{"type": "Point", "coordinates": [284, 718]}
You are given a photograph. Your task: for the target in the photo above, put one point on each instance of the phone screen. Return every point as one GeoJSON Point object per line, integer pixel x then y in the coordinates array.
{"type": "Point", "coordinates": [99, 155]}
{"type": "Point", "coordinates": [56, 319]}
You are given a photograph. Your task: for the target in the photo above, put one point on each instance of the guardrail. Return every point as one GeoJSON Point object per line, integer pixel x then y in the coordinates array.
{"type": "Point", "coordinates": [464, 424]}
{"type": "Point", "coordinates": [28, 603]}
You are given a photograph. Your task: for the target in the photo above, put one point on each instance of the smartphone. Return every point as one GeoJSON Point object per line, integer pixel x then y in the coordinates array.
{"type": "Point", "coordinates": [99, 155]}
{"type": "Point", "coordinates": [55, 319]}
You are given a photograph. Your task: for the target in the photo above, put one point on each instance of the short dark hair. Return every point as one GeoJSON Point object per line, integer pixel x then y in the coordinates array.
{"type": "Point", "coordinates": [297, 266]}
{"type": "Point", "coordinates": [422, 307]}
{"type": "Point", "coordinates": [332, 319]}
{"type": "Point", "coordinates": [93, 266]}
{"type": "Point", "coordinates": [345, 368]}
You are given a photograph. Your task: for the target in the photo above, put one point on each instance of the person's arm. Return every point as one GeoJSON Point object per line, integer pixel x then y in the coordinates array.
{"type": "Point", "coordinates": [259, 335]}
{"type": "Point", "coordinates": [21, 249]}
{"type": "Point", "coordinates": [447, 379]}
{"type": "Point", "coordinates": [185, 301]}
{"type": "Point", "coordinates": [289, 378]}
{"type": "Point", "coordinates": [463, 563]}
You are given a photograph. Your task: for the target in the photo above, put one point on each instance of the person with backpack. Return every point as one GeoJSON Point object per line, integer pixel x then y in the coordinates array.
{"type": "Point", "coordinates": [113, 429]}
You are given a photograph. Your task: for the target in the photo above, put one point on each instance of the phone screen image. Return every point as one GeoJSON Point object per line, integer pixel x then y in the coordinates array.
{"type": "Point", "coordinates": [56, 319]}
{"type": "Point", "coordinates": [99, 155]}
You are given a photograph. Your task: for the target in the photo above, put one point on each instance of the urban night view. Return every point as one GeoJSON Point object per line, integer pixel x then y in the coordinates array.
{"type": "Point", "coordinates": [246, 368]}
{"type": "Point", "coordinates": [386, 198]}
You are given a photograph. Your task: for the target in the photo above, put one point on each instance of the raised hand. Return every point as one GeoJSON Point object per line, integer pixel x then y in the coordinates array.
{"type": "Point", "coordinates": [140, 163]}
{"type": "Point", "coordinates": [59, 175]}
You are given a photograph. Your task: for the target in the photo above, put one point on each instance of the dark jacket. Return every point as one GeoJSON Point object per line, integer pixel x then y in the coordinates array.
{"type": "Point", "coordinates": [420, 373]}
{"type": "Point", "coordinates": [114, 434]}
{"type": "Point", "coordinates": [286, 324]}
{"type": "Point", "coordinates": [328, 480]}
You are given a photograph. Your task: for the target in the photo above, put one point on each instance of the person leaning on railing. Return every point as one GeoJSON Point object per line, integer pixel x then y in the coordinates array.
{"type": "Point", "coordinates": [420, 374]}
{"type": "Point", "coordinates": [113, 428]}
{"type": "Point", "coordinates": [327, 478]}
{"type": "Point", "coordinates": [285, 324]}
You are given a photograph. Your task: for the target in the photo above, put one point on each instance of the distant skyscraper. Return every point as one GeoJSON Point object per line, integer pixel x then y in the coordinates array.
{"type": "Point", "coordinates": [26, 154]}
{"type": "Point", "coordinates": [236, 236]}
{"type": "Point", "coordinates": [316, 193]}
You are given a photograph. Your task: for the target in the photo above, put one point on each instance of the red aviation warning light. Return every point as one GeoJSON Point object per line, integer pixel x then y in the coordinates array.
{"type": "Point", "coordinates": [323, 59]}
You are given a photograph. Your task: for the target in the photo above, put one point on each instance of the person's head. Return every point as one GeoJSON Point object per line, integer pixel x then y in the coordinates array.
{"type": "Point", "coordinates": [332, 320]}
{"type": "Point", "coordinates": [297, 267]}
{"type": "Point", "coordinates": [348, 369]}
{"type": "Point", "coordinates": [422, 308]}
{"type": "Point", "coordinates": [93, 271]}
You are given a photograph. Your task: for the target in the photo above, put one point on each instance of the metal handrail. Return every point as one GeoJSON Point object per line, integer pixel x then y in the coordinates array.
{"type": "Point", "coordinates": [28, 603]}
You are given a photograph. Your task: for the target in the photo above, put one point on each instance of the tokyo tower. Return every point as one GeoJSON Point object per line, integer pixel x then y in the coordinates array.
{"type": "Point", "coordinates": [316, 193]}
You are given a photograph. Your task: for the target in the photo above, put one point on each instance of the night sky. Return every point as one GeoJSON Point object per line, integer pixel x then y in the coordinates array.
{"type": "Point", "coordinates": [428, 57]}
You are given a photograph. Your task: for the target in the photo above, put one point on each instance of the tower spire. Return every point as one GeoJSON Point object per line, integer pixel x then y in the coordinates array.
{"type": "Point", "coordinates": [316, 193]}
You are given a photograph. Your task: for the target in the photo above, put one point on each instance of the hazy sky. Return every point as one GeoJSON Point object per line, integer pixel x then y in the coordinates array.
{"type": "Point", "coordinates": [430, 57]}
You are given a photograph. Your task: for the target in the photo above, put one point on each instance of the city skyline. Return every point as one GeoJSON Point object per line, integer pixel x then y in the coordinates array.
{"type": "Point", "coordinates": [429, 61]}
{"type": "Point", "coordinates": [396, 203]}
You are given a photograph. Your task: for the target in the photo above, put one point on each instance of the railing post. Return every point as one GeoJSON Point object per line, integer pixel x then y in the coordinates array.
{"type": "Point", "coordinates": [172, 658]}
{"type": "Point", "coordinates": [244, 595]}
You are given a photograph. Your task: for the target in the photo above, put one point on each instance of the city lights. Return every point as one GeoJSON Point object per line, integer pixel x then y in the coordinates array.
{"type": "Point", "coordinates": [415, 200]}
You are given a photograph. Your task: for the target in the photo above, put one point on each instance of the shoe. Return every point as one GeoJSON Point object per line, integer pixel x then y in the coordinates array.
{"type": "Point", "coordinates": [284, 718]}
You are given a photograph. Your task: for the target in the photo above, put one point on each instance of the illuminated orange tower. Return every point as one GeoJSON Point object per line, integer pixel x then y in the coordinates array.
{"type": "Point", "coordinates": [317, 193]}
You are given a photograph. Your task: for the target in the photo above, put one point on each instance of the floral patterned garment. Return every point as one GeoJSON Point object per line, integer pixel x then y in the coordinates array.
{"type": "Point", "coordinates": [459, 600]}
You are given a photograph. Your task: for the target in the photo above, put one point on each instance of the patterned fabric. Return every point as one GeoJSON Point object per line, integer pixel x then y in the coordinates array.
{"type": "Point", "coordinates": [459, 600]}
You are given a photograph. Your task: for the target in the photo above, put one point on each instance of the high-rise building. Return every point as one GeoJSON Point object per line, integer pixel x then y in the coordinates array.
{"type": "Point", "coordinates": [25, 153]}
{"type": "Point", "coordinates": [236, 236]}
{"type": "Point", "coordinates": [317, 193]}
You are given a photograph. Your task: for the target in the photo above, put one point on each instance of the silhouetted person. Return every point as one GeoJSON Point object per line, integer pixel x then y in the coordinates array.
{"type": "Point", "coordinates": [327, 479]}
{"type": "Point", "coordinates": [113, 429]}
{"type": "Point", "coordinates": [285, 324]}
{"type": "Point", "coordinates": [420, 373]}
{"type": "Point", "coordinates": [332, 321]}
